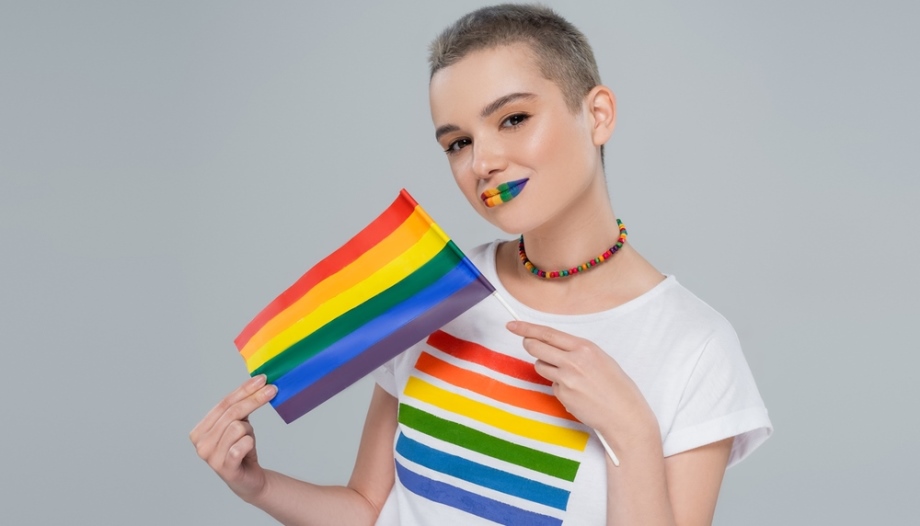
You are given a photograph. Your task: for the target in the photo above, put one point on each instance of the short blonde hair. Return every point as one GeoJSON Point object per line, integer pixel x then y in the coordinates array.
{"type": "Point", "coordinates": [561, 50]}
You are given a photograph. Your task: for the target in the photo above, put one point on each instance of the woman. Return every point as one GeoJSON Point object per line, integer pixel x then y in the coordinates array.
{"type": "Point", "coordinates": [457, 431]}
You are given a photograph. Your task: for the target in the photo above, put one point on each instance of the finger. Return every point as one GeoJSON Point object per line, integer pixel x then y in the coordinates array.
{"type": "Point", "coordinates": [243, 408]}
{"type": "Point", "coordinates": [208, 444]}
{"type": "Point", "coordinates": [548, 335]}
{"type": "Point", "coordinates": [247, 388]}
{"type": "Point", "coordinates": [544, 351]}
{"type": "Point", "coordinates": [244, 390]}
{"type": "Point", "coordinates": [548, 371]}
{"type": "Point", "coordinates": [242, 448]}
{"type": "Point", "coordinates": [234, 432]}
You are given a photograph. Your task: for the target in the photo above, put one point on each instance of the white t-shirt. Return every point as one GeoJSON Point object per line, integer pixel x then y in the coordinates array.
{"type": "Point", "coordinates": [482, 440]}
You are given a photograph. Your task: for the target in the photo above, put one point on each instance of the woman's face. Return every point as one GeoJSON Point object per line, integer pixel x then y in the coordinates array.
{"type": "Point", "coordinates": [516, 150]}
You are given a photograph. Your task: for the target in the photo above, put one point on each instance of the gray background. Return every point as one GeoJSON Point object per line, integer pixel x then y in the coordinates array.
{"type": "Point", "coordinates": [166, 168]}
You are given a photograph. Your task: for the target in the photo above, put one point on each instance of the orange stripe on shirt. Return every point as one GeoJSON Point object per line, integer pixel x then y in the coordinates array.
{"type": "Point", "coordinates": [491, 388]}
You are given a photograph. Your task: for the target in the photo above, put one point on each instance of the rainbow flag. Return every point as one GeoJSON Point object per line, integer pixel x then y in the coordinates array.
{"type": "Point", "coordinates": [397, 281]}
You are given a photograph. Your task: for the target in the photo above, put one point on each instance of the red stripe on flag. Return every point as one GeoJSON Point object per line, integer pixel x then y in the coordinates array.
{"type": "Point", "coordinates": [374, 233]}
{"type": "Point", "coordinates": [473, 352]}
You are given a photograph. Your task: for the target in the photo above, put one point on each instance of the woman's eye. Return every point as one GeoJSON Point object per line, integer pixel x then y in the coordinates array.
{"type": "Point", "coordinates": [515, 120]}
{"type": "Point", "coordinates": [457, 145]}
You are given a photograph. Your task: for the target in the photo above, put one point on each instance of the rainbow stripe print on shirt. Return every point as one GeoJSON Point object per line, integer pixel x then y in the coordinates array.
{"type": "Point", "coordinates": [481, 431]}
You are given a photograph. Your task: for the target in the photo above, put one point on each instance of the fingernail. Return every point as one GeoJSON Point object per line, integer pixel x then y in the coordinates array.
{"type": "Point", "coordinates": [511, 325]}
{"type": "Point", "coordinates": [270, 391]}
{"type": "Point", "coordinates": [258, 379]}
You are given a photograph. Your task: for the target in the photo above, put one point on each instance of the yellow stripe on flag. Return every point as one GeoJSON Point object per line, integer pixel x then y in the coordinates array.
{"type": "Point", "coordinates": [390, 248]}
{"type": "Point", "coordinates": [392, 273]}
{"type": "Point", "coordinates": [434, 225]}
{"type": "Point", "coordinates": [519, 425]}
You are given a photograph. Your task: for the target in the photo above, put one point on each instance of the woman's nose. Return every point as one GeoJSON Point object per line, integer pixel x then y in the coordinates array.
{"type": "Point", "coordinates": [488, 159]}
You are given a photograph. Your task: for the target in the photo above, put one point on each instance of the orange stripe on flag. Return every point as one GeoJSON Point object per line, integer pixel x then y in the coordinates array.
{"type": "Point", "coordinates": [372, 234]}
{"type": "Point", "coordinates": [387, 250]}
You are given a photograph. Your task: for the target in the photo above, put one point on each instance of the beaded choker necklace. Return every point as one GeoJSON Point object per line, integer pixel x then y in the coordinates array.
{"type": "Point", "coordinates": [574, 270]}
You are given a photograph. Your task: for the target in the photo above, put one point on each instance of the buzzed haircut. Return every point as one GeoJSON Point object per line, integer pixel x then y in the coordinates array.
{"type": "Point", "coordinates": [562, 52]}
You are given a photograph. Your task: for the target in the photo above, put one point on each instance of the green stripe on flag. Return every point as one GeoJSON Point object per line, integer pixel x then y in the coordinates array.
{"type": "Point", "coordinates": [442, 263]}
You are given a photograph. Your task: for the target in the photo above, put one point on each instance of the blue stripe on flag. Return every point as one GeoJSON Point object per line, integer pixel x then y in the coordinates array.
{"type": "Point", "coordinates": [373, 331]}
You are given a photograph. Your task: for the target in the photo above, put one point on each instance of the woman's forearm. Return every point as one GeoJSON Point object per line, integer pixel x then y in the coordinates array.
{"type": "Point", "coordinates": [297, 503]}
{"type": "Point", "coordinates": [637, 490]}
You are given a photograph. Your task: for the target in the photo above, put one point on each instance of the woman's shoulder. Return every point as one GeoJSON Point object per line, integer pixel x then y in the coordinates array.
{"type": "Point", "coordinates": [683, 300]}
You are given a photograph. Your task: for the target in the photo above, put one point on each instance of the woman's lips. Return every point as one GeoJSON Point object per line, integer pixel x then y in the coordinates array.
{"type": "Point", "coordinates": [503, 192]}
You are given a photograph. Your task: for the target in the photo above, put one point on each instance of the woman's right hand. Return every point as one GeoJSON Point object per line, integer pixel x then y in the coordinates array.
{"type": "Point", "coordinates": [225, 439]}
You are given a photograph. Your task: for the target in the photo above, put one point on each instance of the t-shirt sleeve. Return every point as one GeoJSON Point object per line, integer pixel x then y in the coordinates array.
{"type": "Point", "coordinates": [719, 401]}
{"type": "Point", "coordinates": [385, 376]}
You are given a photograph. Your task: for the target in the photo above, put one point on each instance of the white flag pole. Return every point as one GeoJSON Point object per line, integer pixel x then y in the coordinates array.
{"type": "Point", "coordinates": [506, 306]}
{"type": "Point", "coordinates": [613, 457]}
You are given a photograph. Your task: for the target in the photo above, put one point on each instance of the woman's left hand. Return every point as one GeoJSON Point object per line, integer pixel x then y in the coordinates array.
{"type": "Point", "coordinates": [589, 383]}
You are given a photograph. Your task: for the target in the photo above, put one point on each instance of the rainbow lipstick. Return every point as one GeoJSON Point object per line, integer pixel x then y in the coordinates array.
{"type": "Point", "coordinates": [503, 192]}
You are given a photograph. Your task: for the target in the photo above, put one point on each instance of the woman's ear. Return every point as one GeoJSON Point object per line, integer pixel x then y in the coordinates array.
{"type": "Point", "coordinates": [601, 105]}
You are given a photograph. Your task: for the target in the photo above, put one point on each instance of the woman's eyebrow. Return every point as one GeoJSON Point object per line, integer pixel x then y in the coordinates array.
{"type": "Point", "coordinates": [496, 105]}
{"type": "Point", "coordinates": [447, 128]}
{"type": "Point", "coordinates": [489, 109]}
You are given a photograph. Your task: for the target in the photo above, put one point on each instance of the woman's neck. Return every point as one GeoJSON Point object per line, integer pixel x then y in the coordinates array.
{"type": "Point", "coordinates": [576, 235]}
